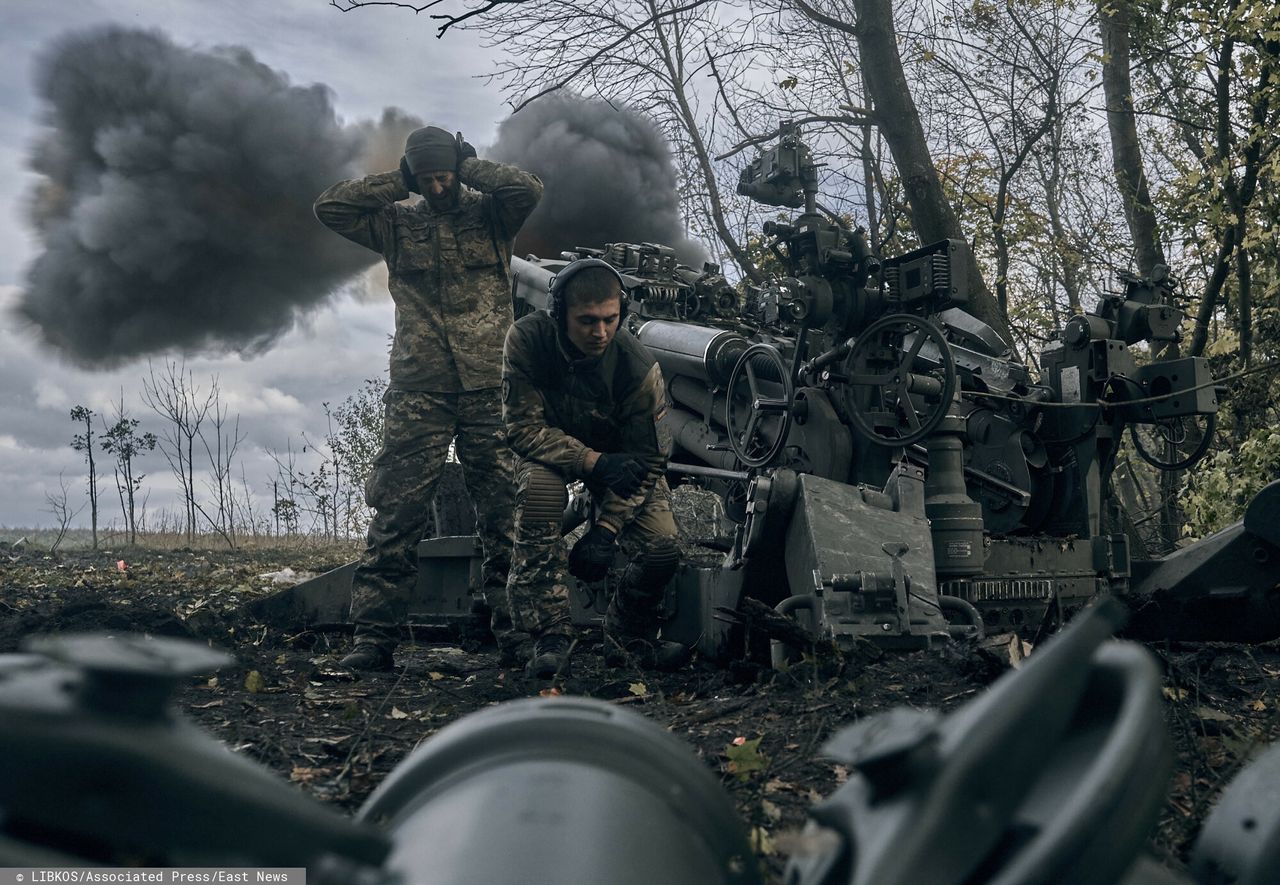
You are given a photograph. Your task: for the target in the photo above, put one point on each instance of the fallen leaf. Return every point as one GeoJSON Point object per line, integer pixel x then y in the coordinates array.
{"type": "Point", "coordinates": [771, 811]}
{"type": "Point", "coordinates": [1174, 694]}
{"type": "Point", "coordinates": [213, 682]}
{"type": "Point", "coordinates": [253, 682]}
{"type": "Point", "coordinates": [639, 689]}
{"type": "Point", "coordinates": [842, 774]}
{"type": "Point", "coordinates": [739, 741]}
{"type": "Point", "coordinates": [281, 659]}
{"type": "Point", "coordinates": [1019, 651]}
{"type": "Point", "coordinates": [777, 785]}
{"type": "Point", "coordinates": [397, 713]}
{"type": "Point", "coordinates": [1259, 705]}
{"type": "Point", "coordinates": [552, 692]}
{"type": "Point", "coordinates": [745, 757]}
{"type": "Point", "coordinates": [435, 677]}
{"type": "Point", "coordinates": [761, 841]}
{"type": "Point", "coordinates": [303, 775]}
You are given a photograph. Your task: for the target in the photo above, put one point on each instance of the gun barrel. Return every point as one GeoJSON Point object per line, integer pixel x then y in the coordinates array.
{"type": "Point", "coordinates": [701, 352]}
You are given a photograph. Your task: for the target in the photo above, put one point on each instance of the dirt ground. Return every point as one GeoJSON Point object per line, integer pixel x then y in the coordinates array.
{"type": "Point", "coordinates": [286, 705]}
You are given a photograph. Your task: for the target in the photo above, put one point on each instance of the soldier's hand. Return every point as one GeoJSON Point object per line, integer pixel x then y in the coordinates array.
{"type": "Point", "coordinates": [465, 149]}
{"type": "Point", "coordinates": [622, 472]}
{"type": "Point", "coordinates": [591, 557]}
{"type": "Point", "coordinates": [410, 182]}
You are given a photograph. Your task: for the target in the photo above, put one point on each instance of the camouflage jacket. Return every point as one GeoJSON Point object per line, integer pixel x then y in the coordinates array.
{"type": "Point", "coordinates": [559, 407]}
{"type": "Point", "coordinates": [449, 272]}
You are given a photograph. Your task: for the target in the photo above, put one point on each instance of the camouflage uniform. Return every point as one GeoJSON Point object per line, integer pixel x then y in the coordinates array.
{"type": "Point", "coordinates": [558, 409]}
{"type": "Point", "coordinates": [449, 275]}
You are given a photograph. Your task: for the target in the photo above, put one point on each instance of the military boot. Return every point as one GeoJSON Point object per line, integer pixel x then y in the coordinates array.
{"type": "Point", "coordinates": [631, 640]}
{"type": "Point", "coordinates": [513, 644]}
{"type": "Point", "coordinates": [550, 656]}
{"type": "Point", "coordinates": [369, 656]}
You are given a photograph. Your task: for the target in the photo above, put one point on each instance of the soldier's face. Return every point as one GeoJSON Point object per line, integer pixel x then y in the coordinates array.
{"type": "Point", "coordinates": [592, 325]}
{"type": "Point", "coordinates": [440, 188]}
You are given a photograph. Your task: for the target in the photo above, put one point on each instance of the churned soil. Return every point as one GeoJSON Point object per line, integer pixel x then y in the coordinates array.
{"type": "Point", "coordinates": [285, 703]}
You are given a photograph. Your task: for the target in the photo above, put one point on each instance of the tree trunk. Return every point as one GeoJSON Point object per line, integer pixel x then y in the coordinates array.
{"type": "Point", "coordinates": [1126, 153]}
{"type": "Point", "coordinates": [899, 122]}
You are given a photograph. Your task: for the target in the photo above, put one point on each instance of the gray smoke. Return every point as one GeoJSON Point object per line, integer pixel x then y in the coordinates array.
{"type": "Point", "coordinates": [608, 176]}
{"type": "Point", "coordinates": [175, 207]}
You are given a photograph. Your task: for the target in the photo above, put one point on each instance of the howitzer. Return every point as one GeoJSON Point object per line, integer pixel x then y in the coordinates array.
{"type": "Point", "coordinates": [1056, 773]}
{"type": "Point", "coordinates": [894, 472]}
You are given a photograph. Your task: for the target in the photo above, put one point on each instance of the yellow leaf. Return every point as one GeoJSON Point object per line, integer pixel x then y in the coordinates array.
{"type": "Point", "coordinates": [213, 682]}
{"type": "Point", "coordinates": [1259, 705]}
{"type": "Point", "coordinates": [761, 841]}
{"type": "Point", "coordinates": [771, 811]}
{"type": "Point", "coordinates": [435, 677]}
{"type": "Point", "coordinates": [639, 689]}
{"type": "Point", "coordinates": [397, 713]}
{"type": "Point", "coordinates": [281, 660]}
{"type": "Point", "coordinates": [253, 682]}
{"type": "Point", "coordinates": [1174, 694]}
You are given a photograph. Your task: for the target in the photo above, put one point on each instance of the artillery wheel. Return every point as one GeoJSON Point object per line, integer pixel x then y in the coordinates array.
{"type": "Point", "coordinates": [758, 424]}
{"type": "Point", "coordinates": [1174, 443]}
{"type": "Point", "coordinates": [883, 373]}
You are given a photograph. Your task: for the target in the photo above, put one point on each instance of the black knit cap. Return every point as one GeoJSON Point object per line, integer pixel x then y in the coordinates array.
{"type": "Point", "coordinates": [431, 149]}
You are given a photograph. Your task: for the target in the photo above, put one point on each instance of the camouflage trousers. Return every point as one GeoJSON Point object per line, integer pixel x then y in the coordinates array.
{"type": "Point", "coordinates": [418, 428]}
{"type": "Point", "coordinates": [538, 588]}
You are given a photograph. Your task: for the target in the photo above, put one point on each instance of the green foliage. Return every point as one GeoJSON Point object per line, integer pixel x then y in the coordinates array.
{"type": "Point", "coordinates": [1222, 486]}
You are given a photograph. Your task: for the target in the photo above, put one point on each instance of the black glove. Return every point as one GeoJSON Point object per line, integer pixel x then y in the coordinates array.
{"type": "Point", "coordinates": [465, 150]}
{"type": "Point", "coordinates": [591, 557]}
{"type": "Point", "coordinates": [621, 472]}
{"type": "Point", "coordinates": [410, 182]}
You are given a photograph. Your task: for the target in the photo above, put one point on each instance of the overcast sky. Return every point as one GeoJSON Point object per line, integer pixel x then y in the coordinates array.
{"type": "Point", "coordinates": [370, 59]}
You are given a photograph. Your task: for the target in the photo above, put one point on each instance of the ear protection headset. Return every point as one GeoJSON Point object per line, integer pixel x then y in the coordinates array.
{"type": "Point", "coordinates": [556, 295]}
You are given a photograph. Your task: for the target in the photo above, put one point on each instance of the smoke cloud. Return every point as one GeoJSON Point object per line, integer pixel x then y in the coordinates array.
{"type": "Point", "coordinates": [175, 208]}
{"type": "Point", "coordinates": [608, 175]}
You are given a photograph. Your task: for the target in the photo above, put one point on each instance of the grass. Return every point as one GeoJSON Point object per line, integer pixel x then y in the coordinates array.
{"type": "Point", "coordinates": [38, 538]}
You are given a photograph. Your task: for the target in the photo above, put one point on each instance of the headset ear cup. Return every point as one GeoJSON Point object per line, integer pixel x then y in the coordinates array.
{"type": "Point", "coordinates": [557, 284]}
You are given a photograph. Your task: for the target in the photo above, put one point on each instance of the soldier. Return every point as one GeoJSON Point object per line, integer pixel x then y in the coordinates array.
{"type": "Point", "coordinates": [581, 399]}
{"type": "Point", "coordinates": [448, 259]}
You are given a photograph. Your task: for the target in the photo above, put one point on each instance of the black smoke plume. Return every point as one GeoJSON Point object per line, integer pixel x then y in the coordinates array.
{"type": "Point", "coordinates": [608, 176]}
{"type": "Point", "coordinates": [175, 207]}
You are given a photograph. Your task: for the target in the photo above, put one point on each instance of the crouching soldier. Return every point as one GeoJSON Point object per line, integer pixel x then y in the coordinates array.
{"type": "Point", "coordinates": [581, 399]}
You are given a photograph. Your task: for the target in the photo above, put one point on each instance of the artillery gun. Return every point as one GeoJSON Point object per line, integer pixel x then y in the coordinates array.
{"type": "Point", "coordinates": [893, 471]}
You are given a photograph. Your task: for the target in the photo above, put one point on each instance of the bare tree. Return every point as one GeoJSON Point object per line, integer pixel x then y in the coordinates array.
{"type": "Point", "coordinates": [173, 395]}
{"type": "Point", "coordinates": [221, 454]}
{"type": "Point", "coordinates": [63, 513]}
{"type": "Point", "coordinates": [83, 442]}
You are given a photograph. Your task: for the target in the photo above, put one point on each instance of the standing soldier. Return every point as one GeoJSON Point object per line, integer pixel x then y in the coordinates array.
{"type": "Point", "coordinates": [581, 400]}
{"type": "Point", "coordinates": [448, 259]}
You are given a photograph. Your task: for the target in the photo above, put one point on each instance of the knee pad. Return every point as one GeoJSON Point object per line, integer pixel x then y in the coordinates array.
{"type": "Point", "coordinates": [655, 565]}
{"type": "Point", "coordinates": [543, 496]}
